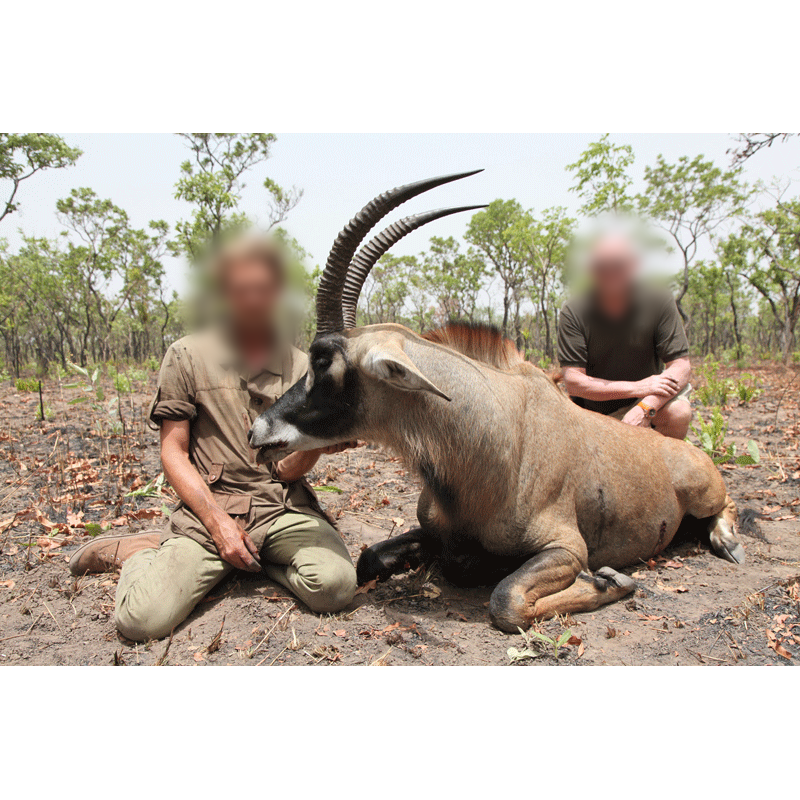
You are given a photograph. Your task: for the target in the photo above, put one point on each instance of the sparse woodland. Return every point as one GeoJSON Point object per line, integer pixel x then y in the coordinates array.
{"type": "Point", "coordinates": [86, 317]}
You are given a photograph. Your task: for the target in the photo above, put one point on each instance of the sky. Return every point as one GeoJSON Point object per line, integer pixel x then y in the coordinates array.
{"type": "Point", "coordinates": [339, 173]}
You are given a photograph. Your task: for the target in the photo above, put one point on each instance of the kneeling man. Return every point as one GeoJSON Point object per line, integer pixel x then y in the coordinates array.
{"type": "Point", "coordinates": [622, 345]}
{"type": "Point", "coordinates": [234, 512]}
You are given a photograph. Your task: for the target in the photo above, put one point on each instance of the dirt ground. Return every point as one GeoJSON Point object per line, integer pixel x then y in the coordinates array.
{"type": "Point", "coordinates": [66, 479]}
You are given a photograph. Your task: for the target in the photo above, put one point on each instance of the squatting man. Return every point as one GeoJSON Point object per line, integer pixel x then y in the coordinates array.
{"type": "Point", "coordinates": [622, 345]}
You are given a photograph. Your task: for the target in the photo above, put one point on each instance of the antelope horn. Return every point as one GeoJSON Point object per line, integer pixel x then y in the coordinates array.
{"type": "Point", "coordinates": [369, 254]}
{"type": "Point", "coordinates": [329, 294]}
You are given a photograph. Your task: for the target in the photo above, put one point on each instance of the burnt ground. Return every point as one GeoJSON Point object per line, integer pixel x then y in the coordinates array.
{"type": "Point", "coordinates": [67, 478]}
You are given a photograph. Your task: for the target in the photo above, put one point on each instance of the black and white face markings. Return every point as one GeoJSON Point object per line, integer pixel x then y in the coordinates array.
{"type": "Point", "coordinates": [319, 410]}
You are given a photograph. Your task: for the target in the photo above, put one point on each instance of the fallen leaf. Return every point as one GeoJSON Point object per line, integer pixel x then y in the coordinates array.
{"type": "Point", "coordinates": [7, 584]}
{"type": "Point", "coordinates": [367, 587]}
{"type": "Point", "coordinates": [341, 634]}
{"type": "Point", "coordinates": [430, 591]}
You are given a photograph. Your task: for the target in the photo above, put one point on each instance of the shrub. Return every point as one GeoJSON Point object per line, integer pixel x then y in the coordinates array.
{"type": "Point", "coordinates": [711, 435]}
{"type": "Point", "coordinates": [714, 390]}
{"type": "Point", "coordinates": [27, 384]}
{"type": "Point", "coordinates": [122, 383]}
{"type": "Point", "coordinates": [747, 388]}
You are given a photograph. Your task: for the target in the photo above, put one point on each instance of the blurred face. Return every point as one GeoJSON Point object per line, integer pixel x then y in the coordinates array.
{"type": "Point", "coordinates": [613, 267]}
{"type": "Point", "coordinates": [251, 290]}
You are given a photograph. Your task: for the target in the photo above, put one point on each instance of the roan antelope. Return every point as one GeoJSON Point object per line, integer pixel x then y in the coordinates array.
{"type": "Point", "coordinates": [521, 487]}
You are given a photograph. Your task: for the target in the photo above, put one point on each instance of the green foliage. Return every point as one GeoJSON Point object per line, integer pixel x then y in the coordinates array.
{"type": "Point", "coordinates": [27, 384]}
{"type": "Point", "coordinates": [602, 178]}
{"type": "Point", "coordinates": [711, 435]}
{"type": "Point", "coordinates": [766, 252]}
{"type": "Point", "coordinates": [715, 390]}
{"type": "Point", "coordinates": [747, 388]}
{"type": "Point", "coordinates": [22, 155]}
{"type": "Point", "coordinates": [533, 640]}
{"type": "Point", "coordinates": [154, 488]}
{"type": "Point", "coordinates": [48, 413]}
{"type": "Point", "coordinates": [213, 180]}
{"type": "Point", "coordinates": [122, 383]}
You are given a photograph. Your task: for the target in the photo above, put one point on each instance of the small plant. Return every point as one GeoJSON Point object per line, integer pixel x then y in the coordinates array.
{"type": "Point", "coordinates": [711, 435]}
{"type": "Point", "coordinates": [533, 648]}
{"type": "Point", "coordinates": [122, 383]}
{"type": "Point", "coordinates": [138, 375]}
{"type": "Point", "coordinates": [152, 364]}
{"type": "Point", "coordinates": [715, 389]}
{"type": "Point", "coordinates": [93, 392]}
{"type": "Point", "coordinates": [48, 413]}
{"type": "Point", "coordinates": [747, 388]}
{"type": "Point", "coordinates": [27, 384]}
{"type": "Point", "coordinates": [155, 488]}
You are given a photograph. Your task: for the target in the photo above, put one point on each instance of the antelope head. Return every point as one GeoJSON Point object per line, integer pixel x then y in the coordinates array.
{"type": "Point", "coordinates": [352, 371]}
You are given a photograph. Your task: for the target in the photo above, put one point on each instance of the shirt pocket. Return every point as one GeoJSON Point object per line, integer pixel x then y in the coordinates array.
{"type": "Point", "coordinates": [236, 505]}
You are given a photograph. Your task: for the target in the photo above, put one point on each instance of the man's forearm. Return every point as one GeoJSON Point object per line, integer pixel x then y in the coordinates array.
{"type": "Point", "coordinates": [296, 465]}
{"type": "Point", "coordinates": [680, 369]}
{"type": "Point", "coordinates": [581, 385]}
{"type": "Point", "coordinates": [190, 487]}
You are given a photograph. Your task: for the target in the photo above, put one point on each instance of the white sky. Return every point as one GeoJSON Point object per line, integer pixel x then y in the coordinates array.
{"type": "Point", "coordinates": [339, 173]}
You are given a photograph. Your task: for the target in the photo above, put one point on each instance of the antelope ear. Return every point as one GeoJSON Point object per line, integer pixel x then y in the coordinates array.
{"type": "Point", "coordinates": [389, 363]}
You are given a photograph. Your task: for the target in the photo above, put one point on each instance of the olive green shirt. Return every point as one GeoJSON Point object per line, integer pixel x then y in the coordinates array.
{"type": "Point", "coordinates": [202, 380]}
{"type": "Point", "coordinates": [630, 348]}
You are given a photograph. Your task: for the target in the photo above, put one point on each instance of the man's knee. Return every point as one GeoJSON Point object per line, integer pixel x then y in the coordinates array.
{"type": "Point", "coordinates": [142, 622]}
{"type": "Point", "coordinates": [331, 584]}
{"type": "Point", "coordinates": [677, 416]}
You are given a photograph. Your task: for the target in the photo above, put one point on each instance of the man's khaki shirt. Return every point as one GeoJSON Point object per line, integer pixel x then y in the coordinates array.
{"type": "Point", "coordinates": [203, 381]}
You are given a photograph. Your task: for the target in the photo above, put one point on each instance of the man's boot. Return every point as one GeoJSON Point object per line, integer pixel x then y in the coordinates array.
{"type": "Point", "coordinates": [109, 552]}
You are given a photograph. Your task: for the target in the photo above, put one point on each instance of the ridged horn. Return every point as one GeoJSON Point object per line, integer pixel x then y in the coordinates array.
{"type": "Point", "coordinates": [329, 294]}
{"type": "Point", "coordinates": [368, 255]}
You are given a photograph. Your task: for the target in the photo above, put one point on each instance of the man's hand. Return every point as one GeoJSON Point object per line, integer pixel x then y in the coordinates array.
{"type": "Point", "coordinates": [637, 417]}
{"type": "Point", "coordinates": [663, 385]}
{"type": "Point", "coordinates": [234, 543]}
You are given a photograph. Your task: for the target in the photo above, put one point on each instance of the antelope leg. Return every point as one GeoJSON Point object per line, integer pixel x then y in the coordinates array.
{"type": "Point", "coordinates": [550, 583]}
{"type": "Point", "coordinates": [587, 593]}
{"type": "Point", "coordinates": [406, 551]}
{"type": "Point", "coordinates": [722, 537]}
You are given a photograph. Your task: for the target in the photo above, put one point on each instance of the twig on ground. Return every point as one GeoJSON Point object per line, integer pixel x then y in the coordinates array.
{"type": "Point", "coordinates": [17, 635]}
{"type": "Point", "coordinates": [163, 660]}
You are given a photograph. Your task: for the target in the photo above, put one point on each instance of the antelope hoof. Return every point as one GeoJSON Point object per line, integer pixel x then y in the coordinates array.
{"type": "Point", "coordinates": [727, 546]}
{"type": "Point", "coordinates": [614, 580]}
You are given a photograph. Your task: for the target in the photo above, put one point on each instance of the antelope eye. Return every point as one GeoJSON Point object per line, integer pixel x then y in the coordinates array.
{"type": "Point", "coordinates": [321, 363]}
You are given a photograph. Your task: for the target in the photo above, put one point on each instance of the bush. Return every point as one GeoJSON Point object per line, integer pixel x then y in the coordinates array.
{"type": "Point", "coordinates": [122, 383]}
{"type": "Point", "coordinates": [715, 390]}
{"type": "Point", "coordinates": [747, 388]}
{"type": "Point", "coordinates": [711, 437]}
{"type": "Point", "coordinates": [27, 384]}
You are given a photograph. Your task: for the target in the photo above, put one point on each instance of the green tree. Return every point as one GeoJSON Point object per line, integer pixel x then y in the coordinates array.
{"type": "Point", "coordinates": [766, 253]}
{"type": "Point", "coordinates": [491, 232]}
{"type": "Point", "coordinates": [602, 179]}
{"type": "Point", "coordinates": [690, 200]}
{"type": "Point", "coordinates": [22, 155]}
{"type": "Point", "coordinates": [104, 252]}
{"type": "Point", "coordinates": [212, 181]}
{"type": "Point", "coordinates": [453, 279]}
{"type": "Point", "coordinates": [387, 289]}
{"type": "Point", "coordinates": [542, 243]}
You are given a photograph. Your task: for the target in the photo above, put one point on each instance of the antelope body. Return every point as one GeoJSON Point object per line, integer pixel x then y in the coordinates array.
{"type": "Point", "coordinates": [521, 487]}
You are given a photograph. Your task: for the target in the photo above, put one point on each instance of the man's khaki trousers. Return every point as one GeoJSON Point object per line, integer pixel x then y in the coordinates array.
{"type": "Point", "coordinates": [159, 588]}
